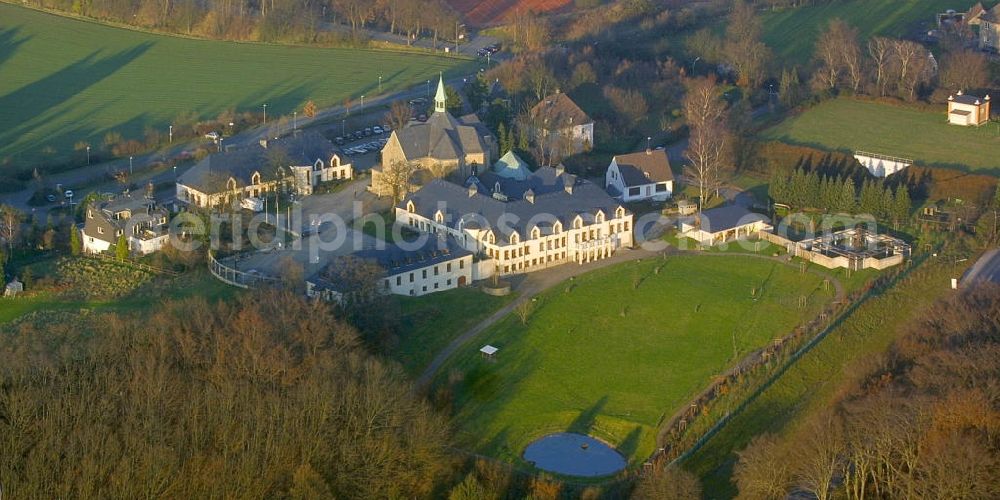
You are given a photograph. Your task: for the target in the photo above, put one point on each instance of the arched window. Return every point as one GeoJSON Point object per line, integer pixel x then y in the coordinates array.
{"type": "Point", "coordinates": [410, 207]}
{"type": "Point", "coordinates": [439, 217]}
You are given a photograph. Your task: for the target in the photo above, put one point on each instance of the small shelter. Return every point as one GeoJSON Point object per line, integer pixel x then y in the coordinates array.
{"type": "Point", "coordinates": [13, 288]}
{"type": "Point", "coordinates": [488, 351]}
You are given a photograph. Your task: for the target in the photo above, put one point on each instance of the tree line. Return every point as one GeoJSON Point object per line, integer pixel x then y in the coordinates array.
{"type": "Point", "coordinates": [922, 422]}
{"type": "Point", "coordinates": [267, 396]}
{"type": "Point", "coordinates": [804, 190]}
{"type": "Point", "coordinates": [300, 21]}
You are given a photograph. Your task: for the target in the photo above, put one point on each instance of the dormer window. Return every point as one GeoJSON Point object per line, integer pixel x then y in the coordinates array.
{"type": "Point", "coordinates": [577, 222]}
{"type": "Point", "coordinates": [254, 179]}
{"type": "Point", "coordinates": [439, 217]}
{"type": "Point", "coordinates": [619, 212]}
{"type": "Point", "coordinates": [535, 232]}
{"type": "Point", "coordinates": [491, 238]}
{"type": "Point", "coordinates": [410, 207]}
{"type": "Point", "coordinates": [231, 184]}
{"type": "Point", "coordinates": [557, 227]}
{"type": "Point", "coordinates": [514, 238]}
{"type": "Point", "coordinates": [600, 216]}
{"type": "Point", "coordinates": [90, 214]}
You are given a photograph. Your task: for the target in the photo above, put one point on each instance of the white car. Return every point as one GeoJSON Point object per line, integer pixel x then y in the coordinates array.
{"type": "Point", "coordinates": [213, 135]}
{"type": "Point", "coordinates": [377, 129]}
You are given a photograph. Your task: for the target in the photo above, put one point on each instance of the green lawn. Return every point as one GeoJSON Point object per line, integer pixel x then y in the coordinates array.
{"type": "Point", "coordinates": [850, 125]}
{"type": "Point", "coordinates": [64, 80]}
{"type": "Point", "coordinates": [434, 320]}
{"type": "Point", "coordinates": [791, 34]}
{"type": "Point", "coordinates": [615, 351]}
{"type": "Point", "coordinates": [812, 382]}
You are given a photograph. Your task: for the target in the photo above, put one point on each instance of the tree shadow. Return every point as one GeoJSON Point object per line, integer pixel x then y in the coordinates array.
{"type": "Point", "coordinates": [630, 444]}
{"type": "Point", "coordinates": [59, 87]}
{"type": "Point", "coordinates": [9, 43]}
{"type": "Point", "coordinates": [585, 420]}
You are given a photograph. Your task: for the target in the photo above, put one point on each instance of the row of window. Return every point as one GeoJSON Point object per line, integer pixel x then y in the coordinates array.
{"type": "Point", "coordinates": [423, 273]}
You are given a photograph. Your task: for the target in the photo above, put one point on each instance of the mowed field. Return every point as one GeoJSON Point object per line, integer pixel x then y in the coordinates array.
{"type": "Point", "coordinates": [64, 80]}
{"type": "Point", "coordinates": [924, 136]}
{"type": "Point", "coordinates": [792, 33]}
{"type": "Point", "coordinates": [613, 352]}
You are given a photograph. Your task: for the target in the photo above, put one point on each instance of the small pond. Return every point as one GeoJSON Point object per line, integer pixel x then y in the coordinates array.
{"type": "Point", "coordinates": [574, 455]}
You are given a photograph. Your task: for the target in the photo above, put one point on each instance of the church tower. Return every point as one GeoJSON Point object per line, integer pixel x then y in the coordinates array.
{"type": "Point", "coordinates": [441, 97]}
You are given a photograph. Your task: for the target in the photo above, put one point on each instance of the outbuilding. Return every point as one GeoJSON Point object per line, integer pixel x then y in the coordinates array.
{"type": "Point", "coordinates": [722, 224]}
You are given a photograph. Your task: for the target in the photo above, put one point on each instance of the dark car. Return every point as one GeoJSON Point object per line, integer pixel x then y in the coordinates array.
{"type": "Point", "coordinates": [368, 131]}
{"type": "Point", "coordinates": [339, 141]}
{"type": "Point", "coordinates": [422, 117]}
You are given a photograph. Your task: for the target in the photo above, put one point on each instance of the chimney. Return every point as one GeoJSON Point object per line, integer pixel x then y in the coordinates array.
{"type": "Point", "coordinates": [472, 189]}
{"type": "Point", "coordinates": [560, 169]}
{"type": "Point", "coordinates": [263, 143]}
{"type": "Point", "coordinates": [959, 92]}
{"type": "Point", "coordinates": [568, 187]}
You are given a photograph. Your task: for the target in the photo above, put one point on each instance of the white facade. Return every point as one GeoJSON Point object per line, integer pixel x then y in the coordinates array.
{"type": "Point", "coordinates": [881, 165]}
{"type": "Point", "coordinates": [657, 191]}
{"type": "Point", "coordinates": [431, 278]}
{"type": "Point", "coordinates": [306, 177]}
{"type": "Point", "coordinates": [584, 241]}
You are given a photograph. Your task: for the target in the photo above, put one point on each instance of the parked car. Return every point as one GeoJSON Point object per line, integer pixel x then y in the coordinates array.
{"type": "Point", "coordinates": [422, 117]}
{"type": "Point", "coordinates": [368, 131]}
{"type": "Point", "coordinates": [213, 136]}
{"type": "Point", "coordinates": [377, 129]}
{"type": "Point", "coordinates": [339, 141]}
{"type": "Point", "coordinates": [386, 129]}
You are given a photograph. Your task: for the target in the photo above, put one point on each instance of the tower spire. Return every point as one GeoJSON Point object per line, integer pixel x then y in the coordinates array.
{"type": "Point", "coordinates": [441, 97]}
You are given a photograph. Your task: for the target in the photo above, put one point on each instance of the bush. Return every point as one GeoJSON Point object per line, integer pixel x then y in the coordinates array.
{"type": "Point", "coordinates": [89, 278]}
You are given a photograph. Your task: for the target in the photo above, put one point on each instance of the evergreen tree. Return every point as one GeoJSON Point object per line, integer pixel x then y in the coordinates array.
{"type": "Point", "coordinates": [788, 91]}
{"type": "Point", "coordinates": [812, 190]}
{"type": "Point", "coordinates": [75, 246]}
{"type": "Point", "coordinates": [121, 248]}
{"type": "Point", "coordinates": [886, 205]}
{"type": "Point", "coordinates": [504, 138]}
{"type": "Point", "coordinates": [848, 196]}
{"type": "Point", "coordinates": [871, 197]}
{"type": "Point", "coordinates": [777, 189]}
{"type": "Point", "coordinates": [902, 204]}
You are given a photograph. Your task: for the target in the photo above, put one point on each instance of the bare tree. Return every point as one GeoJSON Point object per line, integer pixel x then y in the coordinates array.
{"type": "Point", "coordinates": [913, 69]}
{"type": "Point", "coordinates": [397, 178]}
{"type": "Point", "coordinates": [819, 456]}
{"type": "Point", "coordinates": [672, 483]}
{"type": "Point", "coordinates": [399, 115]}
{"type": "Point", "coordinates": [763, 470]}
{"type": "Point", "coordinates": [709, 143]}
{"type": "Point", "coordinates": [964, 70]}
{"type": "Point", "coordinates": [10, 225]}
{"type": "Point", "coordinates": [880, 50]}
{"type": "Point", "coordinates": [743, 46]}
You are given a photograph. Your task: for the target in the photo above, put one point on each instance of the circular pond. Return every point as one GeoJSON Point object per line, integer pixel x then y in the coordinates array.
{"type": "Point", "coordinates": [574, 455]}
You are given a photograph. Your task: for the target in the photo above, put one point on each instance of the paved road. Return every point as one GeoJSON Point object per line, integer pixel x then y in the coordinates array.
{"type": "Point", "coordinates": [987, 268]}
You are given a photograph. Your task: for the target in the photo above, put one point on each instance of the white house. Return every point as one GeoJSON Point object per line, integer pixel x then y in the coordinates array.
{"type": "Point", "coordinates": [645, 175]}
{"type": "Point", "coordinates": [968, 110]}
{"type": "Point", "coordinates": [139, 219]}
{"type": "Point", "coordinates": [297, 163]}
{"type": "Point", "coordinates": [557, 119]}
{"type": "Point", "coordinates": [439, 264]}
{"type": "Point", "coordinates": [722, 224]}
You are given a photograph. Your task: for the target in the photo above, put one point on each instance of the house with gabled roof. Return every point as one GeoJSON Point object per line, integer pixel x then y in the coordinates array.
{"type": "Point", "coordinates": [988, 21]}
{"type": "Point", "coordinates": [645, 175]}
{"type": "Point", "coordinates": [139, 219]}
{"type": "Point", "coordinates": [550, 218]}
{"type": "Point", "coordinates": [558, 121]}
{"type": "Point", "coordinates": [298, 163]}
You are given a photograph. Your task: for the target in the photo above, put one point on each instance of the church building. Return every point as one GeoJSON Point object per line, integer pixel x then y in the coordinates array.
{"type": "Point", "coordinates": [442, 146]}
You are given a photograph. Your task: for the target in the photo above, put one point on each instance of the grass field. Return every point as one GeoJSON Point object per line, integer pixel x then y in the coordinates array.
{"type": "Point", "coordinates": [791, 34]}
{"type": "Point", "coordinates": [64, 80]}
{"type": "Point", "coordinates": [431, 322]}
{"type": "Point", "coordinates": [615, 351]}
{"type": "Point", "coordinates": [849, 124]}
{"type": "Point", "coordinates": [811, 383]}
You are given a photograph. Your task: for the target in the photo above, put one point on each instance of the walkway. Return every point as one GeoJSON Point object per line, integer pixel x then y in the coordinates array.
{"type": "Point", "coordinates": [538, 282]}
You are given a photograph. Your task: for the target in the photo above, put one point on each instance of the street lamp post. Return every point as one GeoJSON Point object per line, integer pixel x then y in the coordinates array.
{"type": "Point", "coordinates": [343, 127]}
{"type": "Point", "coordinates": [362, 103]}
{"type": "Point", "coordinates": [171, 133]}
{"type": "Point", "coordinates": [648, 139]}
{"type": "Point", "coordinates": [295, 120]}
{"type": "Point", "coordinates": [428, 88]}
{"type": "Point", "coordinates": [693, 63]}
{"type": "Point", "coordinates": [379, 84]}
{"type": "Point", "coordinates": [88, 155]}
{"type": "Point", "coordinates": [175, 173]}
{"type": "Point", "coordinates": [130, 165]}
{"type": "Point", "coordinates": [265, 114]}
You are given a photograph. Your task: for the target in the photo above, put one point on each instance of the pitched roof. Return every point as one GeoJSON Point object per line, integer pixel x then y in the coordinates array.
{"type": "Point", "coordinates": [396, 260]}
{"type": "Point", "coordinates": [558, 196]}
{"type": "Point", "coordinates": [644, 167]}
{"type": "Point", "coordinates": [728, 217]}
{"type": "Point", "coordinates": [991, 15]}
{"type": "Point", "coordinates": [211, 173]}
{"type": "Point", "coordinates": [511, 166]}
{"type": "Point", "coordinates": [441, 137]}
{"type": "Point", "coordinates": [968, 99]}
{"type": "Point", "coordinates": [558, 111]}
